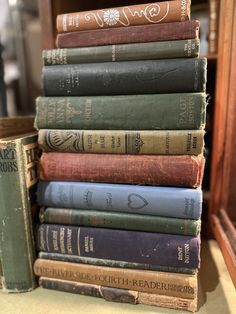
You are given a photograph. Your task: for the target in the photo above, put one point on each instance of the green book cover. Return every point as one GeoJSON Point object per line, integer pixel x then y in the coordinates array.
{"type": "Point", "coordinates": [140, 51]}
{"type": "Point", "coordinates": [115, 220]}
{"type": "Point", "coordinates": [182, 111]}
{"type": "Point", "coordinates": [18, 177]}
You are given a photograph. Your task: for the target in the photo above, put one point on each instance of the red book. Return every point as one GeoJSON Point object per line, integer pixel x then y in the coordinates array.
{"type": "Point", "coordinates": [131, 34]}
{"type": "Point", "coordinates": [146, 169]}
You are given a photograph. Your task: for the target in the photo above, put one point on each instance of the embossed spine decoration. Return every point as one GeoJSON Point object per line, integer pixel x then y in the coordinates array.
{"type": "Point", "coordinates": [179, 142]}
{"type": "Point", "coordinates": [151, 13]}
{"type": "Point", "coordinates": [185, 203]}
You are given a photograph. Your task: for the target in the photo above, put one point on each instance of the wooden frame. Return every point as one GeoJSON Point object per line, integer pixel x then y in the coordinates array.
{"type": "Point", "coordinates": [223, 180]}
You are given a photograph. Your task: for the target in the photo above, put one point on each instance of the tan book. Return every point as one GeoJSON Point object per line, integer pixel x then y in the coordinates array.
{"type": "Point", "coordinates": [119, 295]}
{"type": "Point", "coordinates": [155, 282]}
{"type": "Point", "coordinates": [160, 142]}
{"type": "Point", "coordinates": [16, 125]}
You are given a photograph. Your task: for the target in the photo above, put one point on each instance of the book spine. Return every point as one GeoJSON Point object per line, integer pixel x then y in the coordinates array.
{"type": "Point", "coordinates": [172, 170]}
{"type": "Point", "coordinates": [189, 142]}
{"type": "Point", "coordinates": [17, 174]}
{"type": "Point", "coordinates": [152, 13]}
{"type": "Point", "coordinates": [150, 200]}
{"type": "Point", "coordinates": [113, 263]}
{"type": "Point", "coordinates": [181, 111]}
{"type": "Point", "coordinates": [129, 35]}
{"type": "Point", "coordinates": [104, 219]}
{"type": "Point", "coordinates": [118, 295]}
{"type": "Point", "coordinates": [126, 77]}
{"type": "Point", "coordinates": [154, 248]}
{"type": "Point", "coordinates": [142, 51]}
{"type": "Point", "coordinates": [177, 285]}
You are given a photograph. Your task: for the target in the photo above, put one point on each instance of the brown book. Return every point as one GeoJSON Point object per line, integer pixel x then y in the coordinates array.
{"type": "Point", "coordinates": [132, 34]}
{"type": "Point", "coordinates": [141, 14]}
{"type": "Point", "coordinates": [16, 125]}
{"type": "Point", "coordinates": [119, 295]}
{"type": "Point", "coordinates": [155, 282]}
{"type": "Point", "coordinates": [180, 170]}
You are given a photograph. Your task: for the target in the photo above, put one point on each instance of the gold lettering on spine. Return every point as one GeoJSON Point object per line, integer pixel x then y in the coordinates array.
{"type": "Point", "coordinates": [113, 53]}
{"type": "Point", "coordinates": [69, 241]}
{"type": "Point", "coordinates": [64, 22]}
{"type": "Point", "coordinates": [62, 240]}
{"type": "Point", "coordinates": [55, 240]}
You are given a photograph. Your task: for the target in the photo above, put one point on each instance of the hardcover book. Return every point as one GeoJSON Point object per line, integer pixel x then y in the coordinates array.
{"type": "Point", "coordinates": [119, 295]}
{"type": "Point", "coordinates": [163, 201]}
{"type": "Point", "coordinates": [121, 245]}
{"type": "Point", "coordinates": [124, 221]}
{"type": "Point", "coordinates": [180, 170]}
{"type": "Point", "coordinates": [182, 111]}
{"type": "Point", "coordinates": [151, 13]}
{"type": "Point", "coordinates": [126, 77]}
{"type": "Point", "coordinates": [18, 176]}
{"type": "Point", "coordinates": [170, 284]}
{"type": "Point", "coordinates": [141, 51]}
{"type": "Point", "coordinates": [178, 142]}
{"type": "Point", "coordinates": [128, 35]}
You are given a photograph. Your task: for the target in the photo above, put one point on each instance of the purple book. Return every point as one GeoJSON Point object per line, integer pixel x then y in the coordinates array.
{"type": "Point", "coordinates": [121, 245]}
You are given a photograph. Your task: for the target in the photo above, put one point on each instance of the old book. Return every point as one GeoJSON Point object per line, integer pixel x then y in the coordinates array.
{"type": "Point", "coordinates": [179, 170]}
{"type": "Point", "coordinates": [141, 51]}
{"type": "Point", "coordinates": [16, 125]}
{"type": "Point", "coordinates": [184, 203]}
{"type": "Point", "coordinates": [18, 176]}
{"type": "Point", "coordinates": [124, 112]}
{"type": "Point", "coordinates": [114, 263]}
{"type": "Point", "coordinates": [178, 142]}
{"type": "Point", "coordinates": [121, 245]}
{"type": "Point", "coordinates": [132, 34]}
{"type": "Point", "coordinates": [119, 295]}
{"type": "Point", "coordinates": [126, 77]}
{"type": "Point", "coordinates": [126, 221]}
{"type": "Point", "coordinates": [171, 284]}
{"type": "Point", "coordinates": [151, 13]}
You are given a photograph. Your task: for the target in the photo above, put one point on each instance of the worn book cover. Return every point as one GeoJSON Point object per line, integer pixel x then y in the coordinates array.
{"type": "Point", "coordinates": [18, 177]}
{"type": "Point", "coordinates": [121, 245]}
{"type": "Point", "coordinates": [153, 112]}
{"type": "Point", "coordinates": [179, 170]}
{"type": "Point", "coordinates": [154, 282]}
{"type": "Point", "coordinates": [119, 295]}
{"type": "Point", "coordinates": [128, 35]}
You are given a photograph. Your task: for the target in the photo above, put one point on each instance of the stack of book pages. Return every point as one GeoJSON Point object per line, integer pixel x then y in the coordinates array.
{"type": "Point", "coordinates": [121, 126]}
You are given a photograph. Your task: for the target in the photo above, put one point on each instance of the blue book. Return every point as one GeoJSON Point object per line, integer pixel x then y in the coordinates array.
{"type": "Point", "coordinates": [152, 200]}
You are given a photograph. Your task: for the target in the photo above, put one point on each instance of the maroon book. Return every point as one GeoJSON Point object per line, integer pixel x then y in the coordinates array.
{"type": "Point", "coordinates": [131, 34]}
{"type": "Point", "coordinates": [146, 169]}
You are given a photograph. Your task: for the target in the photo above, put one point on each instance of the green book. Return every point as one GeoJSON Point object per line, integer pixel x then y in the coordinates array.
{"type": "Point", "coordinates": [140, 51]}
{"type": "Point", "coordinates": [18, 177]}
{"type": "Point", "coordinates": [115, 220]}
{"type": "Point", "coordinates": [182, 111]}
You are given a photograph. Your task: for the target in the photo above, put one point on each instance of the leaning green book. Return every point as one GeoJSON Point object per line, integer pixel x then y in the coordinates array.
{"type": "Point", "coordinates": [18, 178]}
{"type": "Point", "coordinates": [115, 220]}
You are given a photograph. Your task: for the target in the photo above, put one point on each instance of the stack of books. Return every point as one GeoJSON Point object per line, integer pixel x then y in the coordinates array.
{"type": "Point", "coordinates": [121, 128]}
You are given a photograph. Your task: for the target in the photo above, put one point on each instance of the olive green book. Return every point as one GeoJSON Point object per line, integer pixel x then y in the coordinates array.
{"type": "Point", "coordinates": [18, 178]}
{"type": "Point", "coordinates": [152, 142]}
{"type": "Point", "coordinates": [126, 221]}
